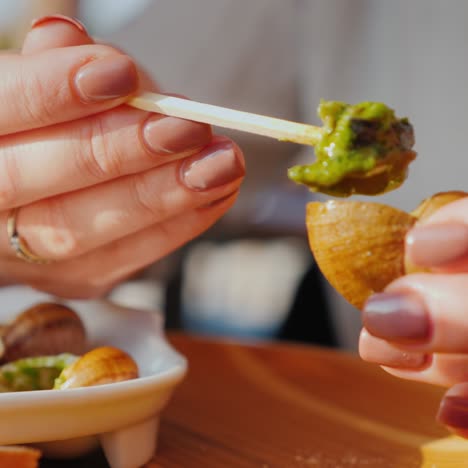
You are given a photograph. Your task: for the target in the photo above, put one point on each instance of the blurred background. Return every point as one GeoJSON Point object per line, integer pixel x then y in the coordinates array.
{"type": "Point", "coordinates": [252, 275]}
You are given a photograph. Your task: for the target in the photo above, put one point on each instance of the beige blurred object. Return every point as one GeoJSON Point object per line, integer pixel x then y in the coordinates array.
{"type": "Point", "coordinates": [243, 286]}
{"type": "Point", "coordinates": [36, 9]}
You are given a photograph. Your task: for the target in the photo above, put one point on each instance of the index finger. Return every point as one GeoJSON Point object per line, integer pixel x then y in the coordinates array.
{"type": "Point", "coordinates": [60, 85]}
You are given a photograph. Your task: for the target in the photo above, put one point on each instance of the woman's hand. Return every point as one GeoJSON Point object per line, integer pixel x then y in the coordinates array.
{"type": "Point", "coordinates": [418, 328]}
{"type": "Point", "coordinates": [103, 189]}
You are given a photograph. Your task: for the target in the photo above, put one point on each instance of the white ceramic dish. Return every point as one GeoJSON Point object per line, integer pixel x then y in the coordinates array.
{"type": "Point", "coordinates": [123, 417]}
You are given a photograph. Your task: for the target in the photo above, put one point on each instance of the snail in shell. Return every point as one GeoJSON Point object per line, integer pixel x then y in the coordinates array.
{"type": "Point", "coordinates": [360, 246]}
{"type": "Point", "coordinates": [99, 366]}
{"type": "Point", "coordinates": [43, 349]}
{"type": "Point", "coordinates": [42, 330]}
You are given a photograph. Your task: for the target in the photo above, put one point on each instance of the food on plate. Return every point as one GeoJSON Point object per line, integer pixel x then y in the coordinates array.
{"type": "Point", "coordinates": [42, 330]}
{"type": "Point", "coordinates": [52, 328]}
{"type": "Point", "coordinates": [19, 457]}
{"type": "Point", "coordinates": [97, 367]}
{"type": "Point", "coordinates": [33, 373]}
{"type": "Point", "coordinates": [359, 246]}
{"type": "Point", "coordinates": [364, 149]}
{"type": "Point", "coordinates": [44, 349]}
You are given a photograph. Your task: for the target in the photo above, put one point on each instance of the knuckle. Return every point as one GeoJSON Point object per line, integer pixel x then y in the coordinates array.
{"type": "Point", "coordinates": [9, 181]}
{"type": "Point", "coordinates": [37, 101]}
{"type": "Point", "coordinates": [96, 156]}
{"type": "Point", "coordinates": [146, 200]}
{"type": "Point", "coordinates": [166, 232]}
{"type": "Point", "coordinates": [59, 238]}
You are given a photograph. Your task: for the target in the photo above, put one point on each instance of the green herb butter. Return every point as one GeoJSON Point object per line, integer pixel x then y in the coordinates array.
{"type": "Point", "coordinates": [364, 149]}
{"type": "Point", "coordinates": [35, 373]}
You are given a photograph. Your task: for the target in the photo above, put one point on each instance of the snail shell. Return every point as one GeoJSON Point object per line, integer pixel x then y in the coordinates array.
{"type": "Point", "coordinates": [44, 329]}
{"type": "Point", "coordinates": [97, 367]}
{"type": "Point", "coordinates": [360, 246]}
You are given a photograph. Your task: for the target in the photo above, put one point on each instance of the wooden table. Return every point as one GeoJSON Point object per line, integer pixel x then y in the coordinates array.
{"type": "Point", "coordinates": [281, 406]}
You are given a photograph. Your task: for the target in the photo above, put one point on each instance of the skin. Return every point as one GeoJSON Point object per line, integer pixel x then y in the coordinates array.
{"type": "Point", "coordinates": [93, 197]}
{"type": "Point", "coordinates": [442, 357]}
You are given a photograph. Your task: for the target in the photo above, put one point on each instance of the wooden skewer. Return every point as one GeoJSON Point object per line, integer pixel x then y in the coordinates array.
{"type": "Point", "coordinates": [283, 130]}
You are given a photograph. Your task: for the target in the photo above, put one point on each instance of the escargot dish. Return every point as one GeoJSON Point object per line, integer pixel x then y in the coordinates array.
{"type": "Point", "coordinates": [44, 348]}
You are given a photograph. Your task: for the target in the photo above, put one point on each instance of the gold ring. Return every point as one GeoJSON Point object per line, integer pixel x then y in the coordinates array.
{"type": "Point", "coordinates": [18, 244]}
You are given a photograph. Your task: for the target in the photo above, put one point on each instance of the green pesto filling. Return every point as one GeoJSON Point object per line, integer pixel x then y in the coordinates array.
{"type": "Point", "coordinates": [35, 373]}
{"type": "Point", "coordinates": [364, 149]}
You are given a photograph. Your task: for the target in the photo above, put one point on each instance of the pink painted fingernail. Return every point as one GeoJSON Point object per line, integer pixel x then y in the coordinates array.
{"type": "Point", "coordinates": [48, 18]}
{"type": "Point", "coordinates": [106, 78]}
{"type": "Point", "coordinates": [396, 316]}
{"type": "Point", "coordinates": [170, 135]}
{"type": "Point", "coordinates": [453, 410]}
{"type": "Point", "coordinates": [217, 165]}
{"type": "Point", "coordinates": [437, 244]}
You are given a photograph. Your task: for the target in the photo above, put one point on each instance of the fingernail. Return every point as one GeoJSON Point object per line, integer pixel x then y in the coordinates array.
{"type": "Point", "coordinates": [170, 135]}
{"type": "Point", "coordinates": [217, 165]}
{"type": "Point", "coordinates": [437, 244]}
{"type": "Point", "coordinates": [396, 316]}
{"type": "Point", "coordinates": [453, 409]}
{"type": "Point", "coordinates": [105, 78]}
{"type": "Point", "coordinates": [48, 18]}
{"type": "Point", "coordinates": [379, 351]}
